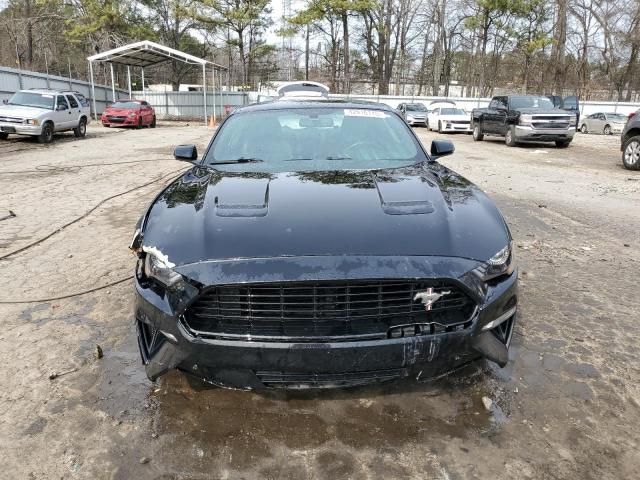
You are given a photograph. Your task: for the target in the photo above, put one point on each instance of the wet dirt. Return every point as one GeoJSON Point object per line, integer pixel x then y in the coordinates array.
{"type": "Point", "coordinates": [566, 406]}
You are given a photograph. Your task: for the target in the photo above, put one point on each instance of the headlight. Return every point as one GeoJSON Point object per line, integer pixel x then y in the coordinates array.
{"type": "Point", "coordinates": [526, 119]}
{"type": "Point", "coordinates": [502, 263]}
{"type": "Point", "coordinates": [32, 121]}
{"type": "Point", "coordinates": [161, 270]}
{"type": "Point", "coordinates": [410, 117]}
{"type": "Point", "coordinates": [132, 114]}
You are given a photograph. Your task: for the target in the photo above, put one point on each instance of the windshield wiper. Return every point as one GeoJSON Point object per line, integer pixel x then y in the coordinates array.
{"type": "Point", "coordinates": [237, 160]}
{"type": "Point", "coordinates": [296, 159]}
{"type": "Point", "coordinates": [338, 157]}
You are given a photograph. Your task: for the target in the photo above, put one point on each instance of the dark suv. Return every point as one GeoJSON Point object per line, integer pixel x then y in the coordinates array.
{"type": "Point", "coordinates": [630, 142]}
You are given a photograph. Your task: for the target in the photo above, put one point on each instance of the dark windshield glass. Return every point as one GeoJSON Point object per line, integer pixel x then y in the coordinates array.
{"type": "Point", "coordinates": [416, 107]}
{"type": "Point", "coordinates": [531, 102]}
{"type": "Point", "coordinates": [31, 99]}
{"type": "Point", "coordinates": [125, 105]}
{"type": "Point", "coordinates": [314, 139]}
{"type": "Point", "coordinates": [452, 111]}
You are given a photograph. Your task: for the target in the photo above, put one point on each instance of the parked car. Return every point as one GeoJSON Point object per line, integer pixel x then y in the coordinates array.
{"type": "Point", "coordinates": [316, 243]}
{"type": "Point", "coordinates": [524, 118]}
{"type": "Point", "coordinates": [129, 113]}
{"type": "Point", "coordinates": [41, 112]}
{"type": "Point", "coordinates": [449, 119]}
{"type": "Point", "coordinates": [630, 143]}
{"type": "Point", "coordinates": [414, 113]}
{"type": "Point", "coordinates": [606, 123]}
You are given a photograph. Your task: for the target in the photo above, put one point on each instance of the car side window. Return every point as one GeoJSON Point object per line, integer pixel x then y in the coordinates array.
{"type": "Point", "coordinates": [493, 104]}
{"type": "Point", "coordinates": [502, 102]}
{"type": "Point", "coordinates": [145, 104]}
{"type": "Point", "coordinates": [82, 99]}
{"type": "Point", "coordinates": [61, 103]}
{"type": "Point", "coordinates": [72, 101]}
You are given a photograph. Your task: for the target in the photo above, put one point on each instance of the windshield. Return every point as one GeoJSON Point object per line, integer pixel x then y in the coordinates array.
{"type": "Point", "coordinates": [31, 99]}
{"type": "Point", "coordinates": [531, 102]}
{"type": "Point", "coordinates": [313, 139]}
{"type": "Point", "coordinates": [617, 117]}
{"type": "Point", "coordinates": [125, 105]}
{"type": "Point", "coordinates": [452, 111]}
{"type": "Point", "coordinates": [416, 107]}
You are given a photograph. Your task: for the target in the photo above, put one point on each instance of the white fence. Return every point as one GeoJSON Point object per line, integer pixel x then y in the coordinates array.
{"type": "Point", "coordinates": [12, 80]}
{"type": "Point", "coordinates": [586, 107]}
{"type": "Point", "coordinates": [190, 105]}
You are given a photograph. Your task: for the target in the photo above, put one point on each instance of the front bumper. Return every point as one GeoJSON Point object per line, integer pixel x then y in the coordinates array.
{"type": "Point", "coordinates": [526, 133]}
{"type": "Point", "coordinates": [263, 364]}
{"type": "Point", "coordinates": [20, 128]}
{"type": "Point", "coordinates": [126, 122]}
{"type": "Point", "coordinates": [417, 121]}
{"type": "Point", "coordinates": [453, 127]}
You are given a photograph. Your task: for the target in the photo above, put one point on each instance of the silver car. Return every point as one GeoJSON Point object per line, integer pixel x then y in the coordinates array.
{"type": "Point", "coordinates": [40, 113]}
{"type": "Point", "coordinates": [606, 123]}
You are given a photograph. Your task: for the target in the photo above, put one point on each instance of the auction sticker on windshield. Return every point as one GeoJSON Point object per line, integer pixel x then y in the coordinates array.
{"type": "Point", "coordinates": [352, 112]}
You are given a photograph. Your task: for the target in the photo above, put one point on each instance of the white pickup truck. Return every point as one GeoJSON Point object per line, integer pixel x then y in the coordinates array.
{"type": "Point", "coordinates": [41, 112]}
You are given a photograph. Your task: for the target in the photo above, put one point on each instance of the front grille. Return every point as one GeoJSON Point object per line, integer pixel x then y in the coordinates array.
{"type": "Point", "coordinates": [10, 120]}
{"type": "Point", "coordinates": [114, 119]}
{"type": "Point", "coordinates": [551, 121]}
{"type": "Point", "coordinates": [460, 122]}
{"type": "Point", "coordinates": [317, 311]}
{"type": "Point", "coordinates": [327, 380]}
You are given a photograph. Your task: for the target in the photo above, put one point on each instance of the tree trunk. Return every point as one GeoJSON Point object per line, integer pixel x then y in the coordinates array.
{"type": "Point", "coordinates": [345, 41]}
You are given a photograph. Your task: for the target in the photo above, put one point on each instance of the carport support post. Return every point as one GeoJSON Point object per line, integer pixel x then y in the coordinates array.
{"type": "Point", "coordinates": [213, 89]}
{"type": "Point", "coordinates": [204, 90]}
{"type": "Point", "coordinates": [129, 79]}
{"type": "Point", "coordinates": [93, 91]}
{"type": "Point", "coordinates": [113, 85]}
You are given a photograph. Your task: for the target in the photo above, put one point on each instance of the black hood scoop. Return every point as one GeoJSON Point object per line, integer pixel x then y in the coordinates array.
{"type": "Point", "coordinates": [242, 197]}
{"type": "Point", "coordinates": [400, 195]}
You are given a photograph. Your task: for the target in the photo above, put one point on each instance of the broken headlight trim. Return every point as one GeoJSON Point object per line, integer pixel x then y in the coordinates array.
{"type": "Point", "coordinates": [502, 263]}
{"type": "Point", "coordinates": [157, 269]}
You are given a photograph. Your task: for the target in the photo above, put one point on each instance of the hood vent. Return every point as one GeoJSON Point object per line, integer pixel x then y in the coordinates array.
{"type": "Point", "coordinates": [237, 197]}
{"type": "Point", "coordinates": [403, 195]}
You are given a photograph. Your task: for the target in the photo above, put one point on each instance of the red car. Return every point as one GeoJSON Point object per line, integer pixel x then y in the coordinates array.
{"type": "Point", "coordinates": [129, 113]}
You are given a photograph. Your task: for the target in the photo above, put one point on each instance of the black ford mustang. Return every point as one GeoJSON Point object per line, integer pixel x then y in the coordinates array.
{"type": "Point", "coordinates": [316, 244]}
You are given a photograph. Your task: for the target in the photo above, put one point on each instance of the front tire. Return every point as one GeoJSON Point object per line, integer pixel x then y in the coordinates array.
{"type": "Point", "coordinates": [562, 143]}
{"type": "Point", "coordinates": [631, 153]}
{"type": "Point", "coordinates": [477, 132]}
{"type": "Point", "coordinates": [510, 137]}
{"type": "Point", "coordinates": [439, 127]}
{"type": "Point", "coordinates": [4, 135]}
{"type": "Point", "coordinates": [606, 130]}
{"type": "Point", "coordinates": [583, 128]}
{"type": "Point", "coordinates": [139, 126]}
{"type": "Point", "coordinates": [153, 122]}
{"type": "Point", "coordinates": [46, 135]}
{"type": "Point", "coordinates": [81, 130]}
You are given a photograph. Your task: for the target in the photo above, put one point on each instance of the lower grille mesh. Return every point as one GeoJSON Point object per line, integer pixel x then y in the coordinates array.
{"type": "Point", "coordinates": [309, 311]}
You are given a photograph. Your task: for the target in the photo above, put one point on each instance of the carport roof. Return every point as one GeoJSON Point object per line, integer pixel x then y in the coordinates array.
{"type": "Point", "coordinates": [147, 53]}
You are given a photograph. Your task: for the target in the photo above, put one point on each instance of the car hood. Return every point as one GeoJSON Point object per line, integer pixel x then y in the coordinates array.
{"type": "Point", "coordinates": [20, 111]}
{"type": "Point", "coordinates": [454, 117]}
{"type": "Point", "coordinates": [423, 210]}
{"type": "Point", "coordinates": [120, 111]}
{"type": "Point", "coordinates": [544, 111]}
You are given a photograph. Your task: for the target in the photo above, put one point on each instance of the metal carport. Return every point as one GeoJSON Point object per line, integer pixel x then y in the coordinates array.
{"type": "Point", "coordinates": [144, 54]}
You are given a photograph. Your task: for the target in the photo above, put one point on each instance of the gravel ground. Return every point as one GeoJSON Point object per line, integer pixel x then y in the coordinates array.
{"type": "Point", "coordinates": [566, 406]}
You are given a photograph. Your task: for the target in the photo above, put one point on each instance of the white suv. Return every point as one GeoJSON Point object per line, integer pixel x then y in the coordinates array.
{"type": "Point", "coordinates": [40, 113]}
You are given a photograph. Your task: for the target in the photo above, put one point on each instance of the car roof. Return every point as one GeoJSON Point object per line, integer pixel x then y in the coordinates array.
{"type": "Point", "coordinates": [286, 104]}
{"type": "Point", "coordinates": [49, 91]}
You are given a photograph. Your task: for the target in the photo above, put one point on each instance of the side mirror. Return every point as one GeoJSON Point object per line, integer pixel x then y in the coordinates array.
{"type": "Point", "coordinates": [5, 101]}
{"type": "Point", "coordinates": [441, 148]}
{"type": "Point", "coordinates": [61, 107]}
{"type": "Point", "coordinates": [187, 153]}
